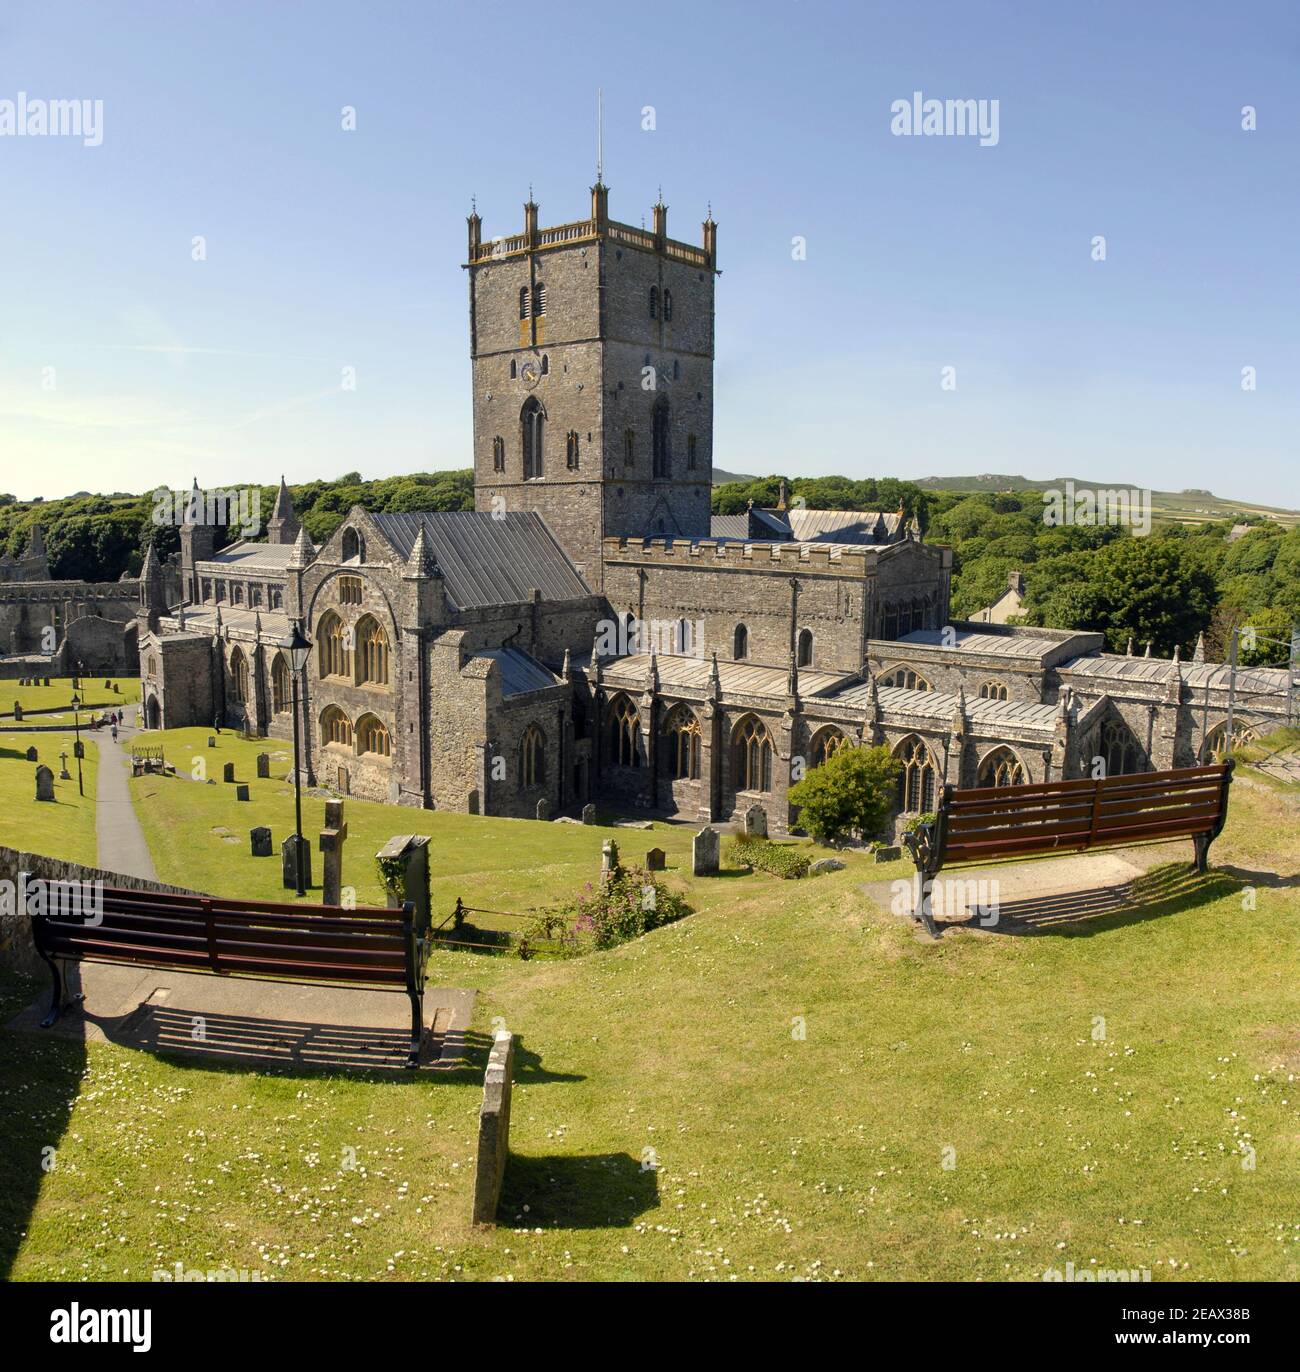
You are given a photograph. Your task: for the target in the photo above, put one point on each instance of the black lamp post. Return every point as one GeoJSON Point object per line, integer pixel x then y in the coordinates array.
{"type": "Point", "coordinates": [298, 648]}
{"type": "Point", "coordinates": [76, 725]}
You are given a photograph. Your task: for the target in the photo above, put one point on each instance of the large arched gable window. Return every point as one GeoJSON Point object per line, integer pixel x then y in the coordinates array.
{"type": "Point", "coordinates": [740, 643]}
{"type": "Point", "coordinates": [532, 427]}
{"type": "Point", "coordinates": [532, 757]}
{"type": "Point", "coordinates": [239, 675]}
{"type": "Point", "coordinates": [352, 546]}
{"type": "Point", "coordinates": [662, 439]}
{"type": "Point", "coordinates": [1001, 768]}
{"type": "Point", "coordinates": [805, 653]}
{"type": "Point", "coordinates": [334, 646]}
{"type": "Point", "coordinates": [916, 783]}
{"type": "Point", "coordinates": [624, 734]}
{"type": "Point", "coordinates": [826, 742]}
{"type": "Point", "coordinates": [281, 693]}
{"type": "Point", "coordinates": [335, 727]}
{"type": "Point", "coordinates": [372, 653]}
{"type": "Point", "coordinates": [752, 755]}
{"type": "Point", "coordinates": [683, 733]}
{"type": "Point", "coordinates": [373, 737]}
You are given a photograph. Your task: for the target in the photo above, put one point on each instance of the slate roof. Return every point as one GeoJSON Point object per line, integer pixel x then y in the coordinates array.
{"type": "Point", "coordinates": [250, 557]}
{"type": "Point", "coordinates": [868, 527]}
{"type": "Point", "coordinates": [736, 678]}
{"type": "Point", "coordinates": [487, 559]}
{"type": "Point", "coordinates": [1012, 645]}
{"type": "Point", "coordinates": [943, 705]}
{"type": "Point", "coordinates": [520, 673]}
{"type": "Point", "coordinates": [1157, 670]}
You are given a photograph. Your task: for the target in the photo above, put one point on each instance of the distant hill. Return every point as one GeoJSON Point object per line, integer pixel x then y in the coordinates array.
{"type": "Point", "coordinates": [1187, 507]}
{"type": "Point", "coordinates": [720, 478]}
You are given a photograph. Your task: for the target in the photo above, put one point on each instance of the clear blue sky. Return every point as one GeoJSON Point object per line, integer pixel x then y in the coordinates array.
{"type": "Point", "coordinates": [328, 249]}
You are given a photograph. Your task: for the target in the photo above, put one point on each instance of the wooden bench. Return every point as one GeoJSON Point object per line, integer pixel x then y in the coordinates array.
{"type": "Point", "coordinates": [1000, 823]}
{"type": "Point", "coordinates": [378, 948]}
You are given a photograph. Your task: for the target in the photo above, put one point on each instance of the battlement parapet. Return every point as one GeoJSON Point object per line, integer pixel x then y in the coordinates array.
{"type": "Point", "coordinates": [806, 557]}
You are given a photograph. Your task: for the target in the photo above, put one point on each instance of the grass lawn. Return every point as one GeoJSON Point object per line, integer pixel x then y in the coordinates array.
{"type": "Point", "coordinates": [65, 828]}
{"type": "Point", "coordinates": [58, 694]}
{"type": "Point", "coordinates": [788, 1084]}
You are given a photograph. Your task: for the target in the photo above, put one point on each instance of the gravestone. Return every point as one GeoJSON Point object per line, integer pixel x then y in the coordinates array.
{"type": "Point", "coordinates": [608, 860]}
{"type": "Point", "coordinates": [409, 852]}
{"type": "Point", "coordinates": [756, 822]}
{"type": "Point", "coordinates": [543, 808]}
{"type": "Point", "coordinates": [263, 765]}
{"type": "Point", "coordinates": [64, 774]}
{"type": "Point", "coordinates": [44, 783]}
{"type": "Point", "coordinates": [228, 772]}
{"type": "Point", "coordinates": [825, 865]}
{"type": "Point", "coordinates": [108, 685]}
{"type": "Point", "coordinates": [706, 850]}
{"type": "Point", "coordinates": [212, 742]}
{"type": "Point", "coordinates": [589, 813]}
{"type": "Point", "coordinates": [241, 792]}
{"type": "Point", "coordinates": [289, 863]}
{"type": "Point", "coordinates": [260, 838]}
{"type": "Point", "coordinates": [654, 860]}
{"type": "Point", "coordinates": [471, 803]}
{"type": "Point", "coordinates": [31, 755]}
{"type": "Point", "coordinates": [47, 681]}
{"type": "Point", "coordinates": [494, 1128]}
{"type": "Point", "coordinates": [79, 749]}
{"type": "Point", "coordinates": [332, 838]}
{"type": "Point", "coordinates": [18, 710]}
{"type": "Point", "coordinates": [888, 854]}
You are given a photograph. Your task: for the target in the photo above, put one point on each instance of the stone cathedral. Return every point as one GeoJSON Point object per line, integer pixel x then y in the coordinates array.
{"type": "Point", "coordinates": [590, 633]}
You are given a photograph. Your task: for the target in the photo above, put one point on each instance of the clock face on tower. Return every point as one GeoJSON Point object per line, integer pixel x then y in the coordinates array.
{"type": "Point", "coordinates": [530, 373]}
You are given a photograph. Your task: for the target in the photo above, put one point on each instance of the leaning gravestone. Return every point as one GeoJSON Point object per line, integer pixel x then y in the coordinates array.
{"type": "Point", "coordinates": [756, 822]}
{"type": "Point", "coordinates": [260, 839]}
{"type": "Point", "coordinates": [289, 862]}
{"type": "Point", "coordinates": [31, 755]}
{"type": "Point", "coordinates": [241, 792]}
{"type": "Point", "coordinates": [44, 783]}
{"type": "Point", "coordinates": [655, 859]}
{"type": "Point", "coordinates": [589, 813]}
{"type": "Point", "coordinates": [543, 808]}
{"type": "Point", "coordinates": [263, 765]}
{"type": "Point", "coordinates": [228, 772]}
{"type": "Point", "coordinates": [332, 837]}
{"type": "Point", "coordinates": [706, 853]}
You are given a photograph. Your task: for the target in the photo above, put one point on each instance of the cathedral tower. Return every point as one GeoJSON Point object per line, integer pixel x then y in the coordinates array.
{"type": "Point", "coordinates": [592, 355]}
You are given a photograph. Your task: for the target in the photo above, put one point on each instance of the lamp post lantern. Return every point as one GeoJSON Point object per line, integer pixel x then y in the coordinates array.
{"type": "Point", "coordinates": [298, 648]}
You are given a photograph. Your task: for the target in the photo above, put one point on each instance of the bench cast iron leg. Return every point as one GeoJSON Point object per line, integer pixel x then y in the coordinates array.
{"type": "Point", "coordinates": [417, 1028]}
{"type": "Point", "coordinates": [56, 996]}
{"type": "Point", "coordinates": [1201, 842]}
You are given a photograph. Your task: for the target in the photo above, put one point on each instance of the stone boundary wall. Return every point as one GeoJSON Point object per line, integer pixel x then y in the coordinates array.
{"type": "Point", "coordinates": [494, 1128]}
{"type": "Point", "coordinates": [17, 951]}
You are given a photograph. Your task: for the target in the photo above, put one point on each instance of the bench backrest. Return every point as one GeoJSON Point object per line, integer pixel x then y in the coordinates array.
{"type": "Point", "coordinates": [988, 823]}
{"type": "Point", "coordinates": [368, 946]}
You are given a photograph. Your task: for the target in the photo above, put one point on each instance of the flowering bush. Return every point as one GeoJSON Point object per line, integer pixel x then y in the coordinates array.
{"type": "Point", "coordinates": [629, 904]}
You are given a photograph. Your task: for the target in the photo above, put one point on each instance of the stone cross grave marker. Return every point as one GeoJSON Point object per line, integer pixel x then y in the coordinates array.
{"type": "Point", "coordinates": [332, 838]}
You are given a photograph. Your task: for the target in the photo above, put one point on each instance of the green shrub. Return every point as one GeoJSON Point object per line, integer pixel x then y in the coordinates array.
{"type": "Point", "coordinates": [780, 859]}
{"type": "Point", "coordinates": [629, 904]}
{"type": "Point", "coordinates": [853, 790]}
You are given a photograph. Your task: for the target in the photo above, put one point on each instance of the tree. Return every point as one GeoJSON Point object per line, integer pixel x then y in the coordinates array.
{"type": "Point", "coordinates": [854, 789]}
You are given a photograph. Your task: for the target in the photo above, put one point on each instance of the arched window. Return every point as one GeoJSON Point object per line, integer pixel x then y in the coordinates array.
{"type": "Point", "coordinates": [372, 736]}
{"type": "Point", "coordinates": [539, 300]}
{"type": "Point", "coordinates": [532, 423]}
{"type": "Point", "coordinates": [1215, 748]}
{"type": "Point", "coordinates": [683, 642]}
{"type": "Point", "coordinates": [153, 665]}
{"type": "Point", "coordinates": [690, 452]}
{"type": "Point", "coordinates": [906, 678]}
{"type": "Point", "coordinates": [532, 758]}
{"type": "Point", "coordinates": [523, 304]}
{"type": "Point", "coordinates": [668, 304]}
{"type": "Point", "coordinates": [654, 302]}
{"type": "Point", "coordinates": [740, 643]}
{"type": "Point", "coordinates": [916, 783]}
{"type": "Point", "coordinates": [571, 451]}
{"type": "Point", "coordinates": [752, 751]}
{"type": "Point", "coordinates": [662, 438]}
{"type": "Point", "coordinates": [335, 727]}
{"type": "Point", "coordinates": [352, 546]}
{"type": "Point", "coordinates": [334, 646]}
{"type": "Point", "coordinates": [805, 647]}
{"type": "Point", "coordinates": [281, 694]}
{"type": "Point", "coordinates": [498, 454]}
{"type": "Point", "coordinates": [825, 743]}
{"type": "Point", "coordinates": [546, 364]}
{"type": "Point", "coordinates": [993, 690]}
{"type": "Point", "coordinates": [624, 732]}
{"type": "Point", "coordinates": [1120, 751]}
{"type": "Point", "coordinates": [1001, 768]}
{"type": "Point", "coordinates": [683, 732]}
{"type": "Point", "coordinates": [372, 653]}
{"type": "Point", "coordinates": [239, 676]}
{"type": "Point", "coordinates": [629, 447]}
